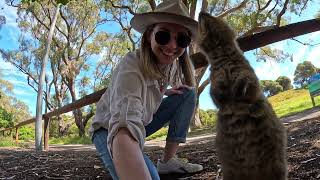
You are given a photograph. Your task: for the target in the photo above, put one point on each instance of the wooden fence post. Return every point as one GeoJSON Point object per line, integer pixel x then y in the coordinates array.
{"type": "Point", "coordinates": [46, 133]}
{"type": "Point", "coordinates": [313, 103]}
{"type": "Point", "coordinates": [17, 134]}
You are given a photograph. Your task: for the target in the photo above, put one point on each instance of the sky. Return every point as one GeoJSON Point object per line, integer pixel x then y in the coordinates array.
{"type": "Point", "coordinates": [265, 70]}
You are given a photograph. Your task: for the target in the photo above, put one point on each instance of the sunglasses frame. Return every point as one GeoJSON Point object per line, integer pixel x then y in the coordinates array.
{"type": "Point", "coordinates": [163, 37]}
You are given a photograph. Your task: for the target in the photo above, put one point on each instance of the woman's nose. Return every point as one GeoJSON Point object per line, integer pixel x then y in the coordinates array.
{"type": "Point", "coordinates": [172, 43]}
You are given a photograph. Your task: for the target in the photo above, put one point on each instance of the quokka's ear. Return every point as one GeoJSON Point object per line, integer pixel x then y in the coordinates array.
{"type": "Point", "coordinates": [203, 20]}
{"type": "Point", "coordinates": [213, 23]}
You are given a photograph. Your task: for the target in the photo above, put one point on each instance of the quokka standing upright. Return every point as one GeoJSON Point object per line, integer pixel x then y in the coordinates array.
{"type": "Point", "coordinates": [251, 140]}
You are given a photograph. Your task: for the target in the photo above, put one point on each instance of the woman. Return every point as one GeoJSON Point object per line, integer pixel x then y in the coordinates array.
{"type": "Point", "coordinates": [133, 106]}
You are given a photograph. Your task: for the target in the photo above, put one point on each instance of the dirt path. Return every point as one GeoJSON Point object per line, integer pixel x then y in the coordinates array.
{"type": "Point", "coordinates": [308, 114]}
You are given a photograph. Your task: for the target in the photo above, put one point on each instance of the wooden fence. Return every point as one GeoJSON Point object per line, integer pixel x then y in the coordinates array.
{"type": "Point", "coordinates": [245, 43]}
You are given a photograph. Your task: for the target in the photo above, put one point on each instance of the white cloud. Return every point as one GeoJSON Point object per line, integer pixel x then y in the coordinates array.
{"type": "Point", "coordinates": [19, 83]}
{"type": "Point", "coordinates": [21, 92]}
{"type": "Point", "coordinates": [6, 65]}
{"type": "Point", "coordinates": [268, 71]}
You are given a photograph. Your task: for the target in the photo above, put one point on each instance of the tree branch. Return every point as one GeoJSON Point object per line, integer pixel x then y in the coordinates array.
{"type": "Point", "coordinates": [305, 44]}
{"type": "Point", "coordinates": [231, 10]}
{"type": "Point", "coordinates": [203, 86]}
{"type": "Point", "coordinates": [122, 7]}
{"type": "Point", "coordinates": [193, 8]}
{"type": "Point", "coordinates": [282, 12]}
{"type": "Point", "coordinates": [152, 4]}
{"type": "Point", "coordinates": [264, 7]}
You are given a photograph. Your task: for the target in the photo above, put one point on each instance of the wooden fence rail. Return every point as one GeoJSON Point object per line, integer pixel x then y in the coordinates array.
{"type": "Point", "coordinates": [245, 43]}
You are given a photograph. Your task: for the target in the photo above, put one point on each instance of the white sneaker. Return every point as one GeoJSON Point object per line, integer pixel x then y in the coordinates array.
{"type": "Point", "coordinates": [177, 165]}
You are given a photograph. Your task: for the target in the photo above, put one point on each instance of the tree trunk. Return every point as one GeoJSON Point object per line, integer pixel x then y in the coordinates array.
{"type": "Point", "coordinates": [77, 113]}
{"type": "Point", "coordinates": [38, 133]}
{"type": "Point", "coordinates": [78, 118]}
{"type": "Point", "coordinates": [196, 121]}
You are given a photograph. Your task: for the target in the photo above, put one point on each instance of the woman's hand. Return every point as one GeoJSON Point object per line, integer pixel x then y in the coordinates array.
{"type": "Point", "coordinates": [177, 90]}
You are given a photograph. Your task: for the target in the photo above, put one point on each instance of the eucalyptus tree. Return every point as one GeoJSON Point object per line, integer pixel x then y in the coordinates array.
{"type": "Point", "coordinates": [75, 45]}
{"type": "Point", "coordinates": [270, 88]}
{"type": "Point", "coordinates": [303, 73]}
{"type": "Point", "coordinates": [42, 77]}
{"type": "Point", "coordinates": [247, 17]}
{"type": "Point", "coordinates": [285, 82]}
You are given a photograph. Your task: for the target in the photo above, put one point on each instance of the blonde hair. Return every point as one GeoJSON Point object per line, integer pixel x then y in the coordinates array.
{"type": "Point", "coordinates": [148, 63]}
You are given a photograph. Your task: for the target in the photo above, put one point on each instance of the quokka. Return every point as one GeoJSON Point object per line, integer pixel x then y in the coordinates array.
{"type": "Point", "coordinates": [251, 140]}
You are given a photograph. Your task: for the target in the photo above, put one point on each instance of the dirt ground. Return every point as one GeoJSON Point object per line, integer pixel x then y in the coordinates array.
{"type": "Point", "coordinates": [303, 158]}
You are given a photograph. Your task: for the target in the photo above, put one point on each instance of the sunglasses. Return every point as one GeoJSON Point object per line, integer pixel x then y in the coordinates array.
{"type": "Point", "coordinates": [163, 38]}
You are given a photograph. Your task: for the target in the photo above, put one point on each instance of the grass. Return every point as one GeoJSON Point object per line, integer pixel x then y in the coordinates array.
{"type": "Point", "coordinates": [9, 142]}
{"type": "Point", "coordinates": [71, 140]}
{"type": "Point", "coordinates": [291, 102]}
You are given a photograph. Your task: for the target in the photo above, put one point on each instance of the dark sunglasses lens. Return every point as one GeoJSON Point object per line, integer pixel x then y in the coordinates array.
{"type": "Point", "coordinates": [183, 40]}
{"type": "Point", "coordinates": [162, 37]}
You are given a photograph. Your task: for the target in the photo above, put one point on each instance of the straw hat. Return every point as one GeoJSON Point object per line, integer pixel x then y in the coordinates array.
{"type": "Point", "coordinates": [170, 11]}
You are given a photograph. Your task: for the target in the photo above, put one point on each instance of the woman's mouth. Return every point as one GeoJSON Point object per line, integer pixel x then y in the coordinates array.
{"type": "Point", "coordinates": [169, 54]}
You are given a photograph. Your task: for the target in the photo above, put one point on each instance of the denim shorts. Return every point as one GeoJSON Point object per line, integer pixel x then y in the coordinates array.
{"type": "Point", "coordinates": [177, 110]}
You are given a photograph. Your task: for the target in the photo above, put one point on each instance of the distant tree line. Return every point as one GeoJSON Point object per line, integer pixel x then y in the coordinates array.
{"type": "Point", "coordinates": [301, 78]}
{"type": "Point", "coordinates": [12, 111]}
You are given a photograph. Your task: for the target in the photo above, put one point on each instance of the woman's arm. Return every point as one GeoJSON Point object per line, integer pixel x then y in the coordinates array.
{"type": "Point", "coordinates": [128, 158]}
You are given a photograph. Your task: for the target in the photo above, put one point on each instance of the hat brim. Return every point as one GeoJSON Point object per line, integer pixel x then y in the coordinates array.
{"type": "Point", "coordinates": [140, 22]}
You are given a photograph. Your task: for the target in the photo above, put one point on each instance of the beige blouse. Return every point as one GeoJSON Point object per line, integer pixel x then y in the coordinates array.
{"type": "Point", "coordinates": [130, 100]}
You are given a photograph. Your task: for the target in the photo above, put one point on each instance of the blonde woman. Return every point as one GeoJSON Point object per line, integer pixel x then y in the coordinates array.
{"type": "Point", "coordinates": [133, 106]}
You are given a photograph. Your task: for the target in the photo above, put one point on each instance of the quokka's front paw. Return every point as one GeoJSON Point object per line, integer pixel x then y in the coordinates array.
{"type": "Point", "coordinates": [245, 89]}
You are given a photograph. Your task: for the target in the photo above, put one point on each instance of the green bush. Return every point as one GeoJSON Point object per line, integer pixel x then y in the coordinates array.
{"type": "Point", "coordinates": [26, 133]}
{"type": "Point", "coordinates": [208, 117]}
{"type": "Point", "coordinates": [161, 133]}
{"type": "Point", "coordinates": [5, 118]}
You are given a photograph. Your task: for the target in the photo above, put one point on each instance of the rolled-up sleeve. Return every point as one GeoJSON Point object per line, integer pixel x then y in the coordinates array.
{"type": "Point", "coordinates": [126, 106]}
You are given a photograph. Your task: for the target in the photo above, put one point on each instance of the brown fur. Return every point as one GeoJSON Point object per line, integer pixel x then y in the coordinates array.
{"type": "Point", "coordinates": [251, 141]}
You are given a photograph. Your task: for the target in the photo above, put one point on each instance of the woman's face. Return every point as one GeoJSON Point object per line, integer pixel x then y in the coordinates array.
{"type": "Point", "coordinates": [163, 40]}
